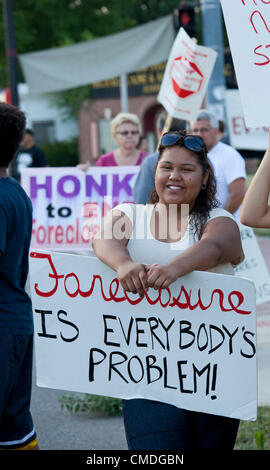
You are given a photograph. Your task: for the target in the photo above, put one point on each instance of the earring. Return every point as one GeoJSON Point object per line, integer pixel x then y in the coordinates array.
{"type": "Point", "coordinates": [203, 186]}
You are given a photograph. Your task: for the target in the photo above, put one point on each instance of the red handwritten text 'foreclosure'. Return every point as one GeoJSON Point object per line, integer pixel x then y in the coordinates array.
{"type": "Point", "coordinates": [182, 301]}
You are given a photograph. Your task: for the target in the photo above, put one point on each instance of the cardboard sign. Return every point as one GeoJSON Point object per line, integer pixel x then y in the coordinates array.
{"type": "Point", "coordinates": [254, 267]}
{"type": "Point", "coordinates": [192, 345]}
{"type": "Point", "coordinates": [186, 77]}
{"type": "Point", "coordinates": [69, 204]}
{"type": "Point", "coordinates": [241, 136]}
{"type": "Point", "coordinates": [248, 28]}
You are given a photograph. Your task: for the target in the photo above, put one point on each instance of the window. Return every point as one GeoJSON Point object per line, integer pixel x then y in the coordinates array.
{"type": "Point", "coordinates": [106, 140]}
{"type": "Point", "coordinates": [44, 132]}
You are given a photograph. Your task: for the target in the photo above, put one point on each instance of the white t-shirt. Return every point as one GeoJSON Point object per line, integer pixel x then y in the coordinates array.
{"type": "Point", "coordinates": [144, 248]}
{"type": "Point", "coordinates": [228, 165]}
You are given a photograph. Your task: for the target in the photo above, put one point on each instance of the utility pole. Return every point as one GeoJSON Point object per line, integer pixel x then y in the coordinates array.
{"type": "Point", "coordinates": [11, 52]}
{"type": "Point", "coordinates": [124, 93]}
{"type": "Point", "coordinates": [213, 38]}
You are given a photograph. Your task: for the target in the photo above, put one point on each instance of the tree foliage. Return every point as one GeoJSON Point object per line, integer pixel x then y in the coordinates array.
{"type": "Point", "coordinates": [44, 24]}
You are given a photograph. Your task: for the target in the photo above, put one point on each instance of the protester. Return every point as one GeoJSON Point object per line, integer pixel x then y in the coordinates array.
{"type": "Point", "coordinates": [144, 183]}
{"type": "Point", "coordinates": [222, 134]}
{"type": "Point", "coordinates": [16, 318]}
{"type": "Point", "coordinates": [255, 210]}
{"type": "Point", "coordinates": [126, 130]}
{"type": "Point", "coordinates": [210, 242]}
{"type": "Point", "coordinates": [221, 130]}
{"type": "Point", "coordinates": [228, 164]}
{"type": "Point", "coordinates": [29, 156]}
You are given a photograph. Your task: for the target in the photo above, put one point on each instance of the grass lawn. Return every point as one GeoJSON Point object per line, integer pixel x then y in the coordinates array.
{"type": "Point", "coordinates": [252, 435]}
{"type": "Point", "coordinates": [249, 430]}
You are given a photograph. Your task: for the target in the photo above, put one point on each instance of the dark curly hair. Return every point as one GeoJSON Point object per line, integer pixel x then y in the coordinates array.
{"type": "Point", "coordinates": [12, 126]}
{"type": "Point", "coordinates": [206, 199]}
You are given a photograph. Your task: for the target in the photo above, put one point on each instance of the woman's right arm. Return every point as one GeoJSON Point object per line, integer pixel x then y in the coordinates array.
{"type": "Point", "coordinates": [255, 210]}
{"type": "Point", "coordinates": [110, 246]}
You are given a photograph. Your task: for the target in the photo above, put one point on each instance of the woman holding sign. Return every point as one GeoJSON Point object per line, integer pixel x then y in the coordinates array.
{"type": "Point", "coordinates": [151, 246]}
{"type": "Point", "coordinates": [126, 130]}
{"type": "Point", "coordinates": [255, 210]}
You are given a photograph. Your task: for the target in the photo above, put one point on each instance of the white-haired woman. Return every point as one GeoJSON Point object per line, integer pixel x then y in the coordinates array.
{"type": "Point", "coordinates": [126, 130]}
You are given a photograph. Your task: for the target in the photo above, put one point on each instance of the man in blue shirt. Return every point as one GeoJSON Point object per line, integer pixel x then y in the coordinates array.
{"type": "Point", "coordinates": [144, 183]}
{"type": "Point", "coordinates": [16, 318]}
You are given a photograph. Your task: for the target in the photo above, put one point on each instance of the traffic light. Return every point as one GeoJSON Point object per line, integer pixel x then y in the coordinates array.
{"type": "Point", "coordinates": [185, 17]}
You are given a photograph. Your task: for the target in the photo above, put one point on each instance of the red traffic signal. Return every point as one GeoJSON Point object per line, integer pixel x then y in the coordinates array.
{"type": "Point", "coordinates": [185, 17]}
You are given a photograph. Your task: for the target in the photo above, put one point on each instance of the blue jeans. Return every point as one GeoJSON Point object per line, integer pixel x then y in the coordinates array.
{"type": "Point", "coordinates": [151, 425]}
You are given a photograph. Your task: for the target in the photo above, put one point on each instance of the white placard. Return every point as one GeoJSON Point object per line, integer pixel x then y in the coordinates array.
{"type": "Point", "coordinates": [69, 204]}
{"type": "Point", "coordinates": [254, 266]}
{"type": "Point", "coordinates": [186, 77]}
{"type": "Point", "coordinates": [241, 136]}
{"type": "Point", "coordinates": [248, 28]}
{"type": "Point", "coordinates": [192, 345]}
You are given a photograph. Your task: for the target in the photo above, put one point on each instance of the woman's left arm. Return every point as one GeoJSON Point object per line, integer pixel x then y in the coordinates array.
{"type": "Point", "coordinates": [219, 244]}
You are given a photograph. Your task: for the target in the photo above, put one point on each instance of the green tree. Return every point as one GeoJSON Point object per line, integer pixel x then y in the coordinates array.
{"type": "Point", "coordinates": [44, 24]}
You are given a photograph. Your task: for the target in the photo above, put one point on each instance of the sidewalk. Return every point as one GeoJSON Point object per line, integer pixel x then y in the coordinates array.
{"type": "Point", "coordinates": [59, 430]}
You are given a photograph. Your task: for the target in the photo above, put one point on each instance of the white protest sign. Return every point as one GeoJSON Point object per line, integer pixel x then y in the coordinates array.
{"type": "Point", "coordinates": [192, 345]}
{"type": "Point", "coordinates": [69, 204]}
{"type": "Point", "coordinates": [186, 77]}
{"type": "Point", "coordinates": [241, 136]}
{"type": "Point", "coordinates": [248, 27]}
{"type": "Point", "coordinates": [254, 267]}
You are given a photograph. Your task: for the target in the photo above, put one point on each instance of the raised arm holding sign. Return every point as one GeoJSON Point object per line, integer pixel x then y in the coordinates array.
{"type": "Point", "coordinates": [255, 211]}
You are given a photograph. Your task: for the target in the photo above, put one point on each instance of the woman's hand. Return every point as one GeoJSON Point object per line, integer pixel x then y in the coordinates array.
{"type": "Point", "coordinates": [160, 277]}
{"type": "Point", "coordinates": [84, 166]}
{"type": "Point", "coordinates": [133, 277]}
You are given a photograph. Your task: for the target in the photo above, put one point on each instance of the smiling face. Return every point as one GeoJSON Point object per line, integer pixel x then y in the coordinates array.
{"type": "Point", "coordinates": [127, 136]}
{"type": "Point", "coordinates": [179, 176]}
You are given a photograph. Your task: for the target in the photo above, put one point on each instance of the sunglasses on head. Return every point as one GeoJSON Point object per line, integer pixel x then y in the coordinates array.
{"type": "Point", "coordinates": [191, 142]}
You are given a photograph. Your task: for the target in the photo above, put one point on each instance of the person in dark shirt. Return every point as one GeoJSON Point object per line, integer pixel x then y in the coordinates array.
{"type": "Point", "coordinates": [16, 317]}
{"type": "Point", "coordinates": [28, 156]}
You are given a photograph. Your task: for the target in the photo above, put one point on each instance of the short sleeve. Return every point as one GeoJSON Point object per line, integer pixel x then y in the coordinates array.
{"type": "Point", "coordinates": [100, 161]}
{"type": "Point", "coordinates": [106, 160]}
{"type": "Point", "coordinates": [128, 209]}
{"type": "Point", "coordinates": [3, 229]}
{"type": "Point", "coordinates": [219, 212]}
{"type": "Point", "coordinates": [235, 166]}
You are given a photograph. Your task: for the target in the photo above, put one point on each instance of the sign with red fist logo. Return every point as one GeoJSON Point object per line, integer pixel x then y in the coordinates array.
{"type": "Point", "coordinates": [186, 77]}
